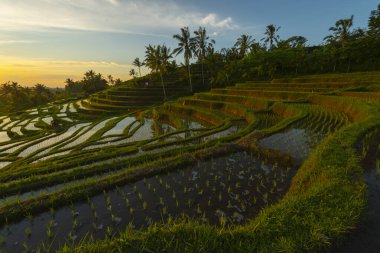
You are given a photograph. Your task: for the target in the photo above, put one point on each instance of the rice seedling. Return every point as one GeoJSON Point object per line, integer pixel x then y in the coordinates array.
{"type": "Point", "coordinates": [28, 232]}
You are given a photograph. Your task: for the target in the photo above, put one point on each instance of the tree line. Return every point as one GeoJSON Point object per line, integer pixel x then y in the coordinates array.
{"type": "Point", "coordinates": [345, 49]}
{"type": "Point", "coordinates": [90, 83]}
{"type": "Point", "coordinates": [14, 97]}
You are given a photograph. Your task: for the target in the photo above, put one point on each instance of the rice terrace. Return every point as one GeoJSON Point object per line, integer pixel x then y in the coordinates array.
{"type": "Point", "coordinates": [272, 145]}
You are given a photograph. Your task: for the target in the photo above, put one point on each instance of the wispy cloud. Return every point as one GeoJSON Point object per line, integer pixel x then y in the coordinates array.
{"type": "Point", "coordinates": [214, 21]}
{"type": "Point", "coordinates": [124, 16]}
{"type": "Point", "coordinates": [80, 64]}
{"type": "Point", "coordinates": [2, 42]}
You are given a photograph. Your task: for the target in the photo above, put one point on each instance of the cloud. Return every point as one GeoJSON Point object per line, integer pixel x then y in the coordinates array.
{"type": "Point", "coordinates": [64, 64]}
{"type": "Point", "coordinates": [17, 42]}
{"type": "Point", "coordinates": [212, 20]}
{"type": "Point", "coordinates": [79, 64]}
{"type": "Point", "coordinates": [114, 2]}
{"type": "Point", "coordinates": [46, 63]}
{"type": "Point", "coordinates": [123, 16]}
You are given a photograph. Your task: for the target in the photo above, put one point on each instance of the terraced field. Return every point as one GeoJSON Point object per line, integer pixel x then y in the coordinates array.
{"type": "Point", "coordinates": [238, 169]}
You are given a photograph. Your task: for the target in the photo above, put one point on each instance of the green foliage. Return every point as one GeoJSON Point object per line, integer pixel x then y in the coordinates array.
{"type": "Point", "coordinates": [90, 83]}
{"type": "Point", "coordinates": [14, 97]}
{"type": "Point", "coordinates": [234, 118]}
{"type": "Point", "coordinates": [374, 23]}
{"type": "Point", "coordinates": [186, 45]}
{"type": "Point", "coordinates": [346, 49]}
{"type": "Point", "coordinates": [328, 185]}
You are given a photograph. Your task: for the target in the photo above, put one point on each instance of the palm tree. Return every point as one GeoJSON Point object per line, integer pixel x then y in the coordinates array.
{"type": "Point", "coordinates": [201, 46]}
{"type": "Point", "coordinates": [341, 31]}
{"type": "Point", "coordinates": [244, 43]}
{"type": "Point", "coordinates": [157, 59]}
{"type": "Point", "coordinates": [165, 56]}
{"type": "Point", "coordinates": [271, 36]}
{"type": "Point", "coordinates": [110, 79]}
{"type": "Point", "coordinates": [89, 75]}
{"type": "Point", "coordinates": [374, 22]}
{"type": "Point", "coordinates": [230, 54]}
{"type": "Point", "coordinates": [132, 73]}
{"type": "Point", "coordinates": [41, 94]}
{"type": "Point", "coordinates": [186, 45]}
{"type": "Point", "coordinates": [138, 63]}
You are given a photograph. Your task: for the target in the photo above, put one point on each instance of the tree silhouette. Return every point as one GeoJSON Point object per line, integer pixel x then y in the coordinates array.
{"type": "Point", "coordinates": [93, 82]}
{"type": "Point", "coordinates": [186, 45]}
{"type": "Point", "coordinates": [201, 43]}
{"type": "Point", "coordinates": [137, 63]}
{"type": "Point", "coordinates": [132, 73]}
{"type": "Point", "coordinates": [271, 35]}
{"type": "Point", "coordinates": [296, 41]}
{"type": "Point", "coordinates": [111, 80]}
{"type": "Point", "coordinates": [341, 31]}
{"type": "Point", "coordinates": [157, 59]}
{"type": "Point", "coordinates": [243, 44]}
{"type": "Point", "coordinates": [374, 23]}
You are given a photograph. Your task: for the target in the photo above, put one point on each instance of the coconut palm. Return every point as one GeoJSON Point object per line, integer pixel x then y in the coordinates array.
{"type": "Point", "coordinates": [374, 22]}
{"type": "Point", "coordinates": [110, 79]}
{"type": "Point", "coordinates": [132, 73]}
{"type": "Point", "coordinates": [271, 36]}
{"type": "Point", "coordinates": [157, 59]}
{"type": "Point", "coordinates": [41, 94]}
{"type": "Point", "coordinates": [341, 31]}
{"type": "Point", "coordinates": [244, 43]}
{"type": "Point", "coordinates": [137, 63]}
{"type": "Point", "coordinates": [201, 42]}
{"type": "Point", "coordinates": [186, 45]}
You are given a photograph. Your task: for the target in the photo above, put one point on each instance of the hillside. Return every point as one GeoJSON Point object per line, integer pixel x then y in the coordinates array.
{"type": "Point", "coordinates": [254, 167]}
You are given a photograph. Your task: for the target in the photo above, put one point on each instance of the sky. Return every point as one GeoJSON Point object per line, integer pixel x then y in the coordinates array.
{"type": "Point", "coordinates": [48, 41]}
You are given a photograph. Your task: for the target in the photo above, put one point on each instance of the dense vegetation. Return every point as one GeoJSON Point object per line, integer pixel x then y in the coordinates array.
{"type": "Point", "coordinates": [91, 82]}
{"type": "Point", "coordinates": [345, 50]}
{"type": "Point", "coordinates": [242, 168]}
{"type": "Point", "coordinates": [14, 97]}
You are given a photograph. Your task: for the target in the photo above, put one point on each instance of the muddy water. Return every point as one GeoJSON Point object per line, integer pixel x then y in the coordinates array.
{"type": "Point", "coordinates": [41, 146]}
{"type": "Point", "coordinates": [31, 127]}
{"type": "Point", "coordinates": [72, 108]}
{"type": "Point", "coordinates": [3, 164]}
{"type": "Point", "coordinates": [296, 142]}
{"type": "Point", "coordinates": [228, 189]}
{"type": "Point", "coordinates": [4, 137]}
{"type": "Point", "coordinates": [120, 126]}
{"type": "Point", "coordinates": [84, 137]}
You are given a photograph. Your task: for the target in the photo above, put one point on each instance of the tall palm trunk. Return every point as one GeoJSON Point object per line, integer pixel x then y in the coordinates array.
{"type": "Point", "coordinates": [203, 76]}
{"type": "Point", "coordinates": [163, 85]}
{"type": "Point", "coordinates": [191, 85]}
{"type": "Point", "coordinates": [140, 71]}
{"type": "Point", "coordinates": [349, 66]}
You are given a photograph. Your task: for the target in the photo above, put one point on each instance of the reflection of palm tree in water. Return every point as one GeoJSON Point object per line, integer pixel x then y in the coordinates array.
{"type": "Point", "coordinates": [167, 129]}
{"type": "Point", "coordinates": [186, 123]}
